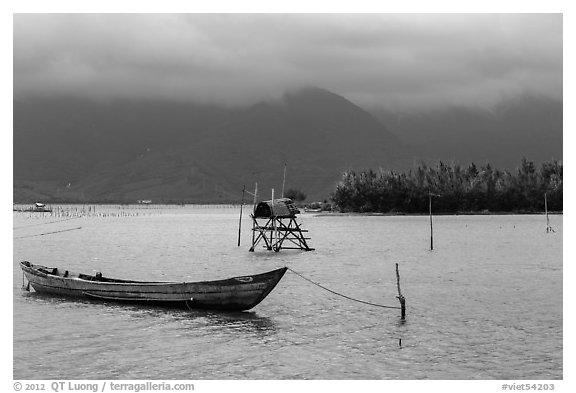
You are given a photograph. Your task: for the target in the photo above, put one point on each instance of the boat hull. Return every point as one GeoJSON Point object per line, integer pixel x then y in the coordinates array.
{"type": "Point", "coordinates": [233, 294]}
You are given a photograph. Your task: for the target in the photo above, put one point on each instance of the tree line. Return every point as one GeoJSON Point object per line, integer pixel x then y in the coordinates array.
{"type": "Point", "coordinates": [455, 189]}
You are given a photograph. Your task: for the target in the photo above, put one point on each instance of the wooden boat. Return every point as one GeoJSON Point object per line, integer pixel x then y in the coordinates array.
{"type": "Point", "coordinates": [40, 208]}
{"type": "Point", "coordinates": [233, 294]}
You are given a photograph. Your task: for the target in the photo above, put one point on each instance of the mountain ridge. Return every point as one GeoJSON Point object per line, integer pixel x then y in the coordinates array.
{"type": "Point", "coordinates": [123, 151]}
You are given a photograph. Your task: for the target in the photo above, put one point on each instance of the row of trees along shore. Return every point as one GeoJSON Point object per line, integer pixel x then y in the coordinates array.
{"type": "Point", "coordinates": [456, 189]}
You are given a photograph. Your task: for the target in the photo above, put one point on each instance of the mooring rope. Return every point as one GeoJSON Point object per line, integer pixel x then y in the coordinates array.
{"type": "Point", "coordinates": [47, 233]}
{"type": "Point", "coordinates": [339, 294]}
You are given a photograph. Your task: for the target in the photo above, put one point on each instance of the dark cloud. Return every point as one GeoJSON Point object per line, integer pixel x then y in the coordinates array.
{"type": "Point", "coordinates": [395, 60]}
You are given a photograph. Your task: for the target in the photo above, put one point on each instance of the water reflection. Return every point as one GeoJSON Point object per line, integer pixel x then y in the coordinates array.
{"type": "Point", "coordinates": [400, 322]}
{"type": "Point", "coordinates": [239, 321]}
{"type": "Point", "coordinates": [243, 322]}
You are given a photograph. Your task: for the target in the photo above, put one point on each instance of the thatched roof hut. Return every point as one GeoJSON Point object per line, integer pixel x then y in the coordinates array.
{"type": "Point", "coordinates": [278, 208]}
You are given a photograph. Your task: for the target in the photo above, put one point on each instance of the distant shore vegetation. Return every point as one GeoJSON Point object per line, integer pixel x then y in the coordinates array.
{"type": "Point", "coordinates": [455, 189]}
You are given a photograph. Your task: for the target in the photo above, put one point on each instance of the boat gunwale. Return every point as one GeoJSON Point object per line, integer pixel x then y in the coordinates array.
{"type": "Point", "coordinates": [34, 269]}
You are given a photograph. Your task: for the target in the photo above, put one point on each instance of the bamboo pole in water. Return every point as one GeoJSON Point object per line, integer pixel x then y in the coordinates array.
{"type": "Point", "coordinates": [400, 297]}
{"type": "Point", "coordinates": [240, 220]}
{"type": "Point", "coordinates": [546, 209]}
{"type": "Point", "coordinates": [253, 219]}
{"type": "Point", "coordinates": [430, 195]}
{"type": "Point", "coordinates": [431, 226]}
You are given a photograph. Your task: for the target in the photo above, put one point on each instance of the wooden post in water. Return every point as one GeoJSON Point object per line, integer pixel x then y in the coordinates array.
{"type": "Point", "coordinates": [431, 227]}
{"type": "Point", "coordinates": [240, 221]}
{"type": "Point", "coordinates": [274, 233]}
{"type": "Point", "coordinates": [253, 209]}
{"type": "Point", "coordinates": [252, 215]}
{"type": "Point", "coordinates": [430, 195]}
{"type": "Point", "coordinates": [548, 227]}
{"type": "Point", "coordinates": [400, 297]}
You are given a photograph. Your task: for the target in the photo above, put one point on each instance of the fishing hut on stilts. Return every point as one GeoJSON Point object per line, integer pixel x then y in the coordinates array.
{"type": "Point", "coordinates": [274, 223]}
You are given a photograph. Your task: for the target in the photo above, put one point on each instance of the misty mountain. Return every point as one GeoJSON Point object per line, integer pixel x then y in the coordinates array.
{"type": "Point", "coordinates": [70, 149]}
{"type": "Point", "coordinates": [524, 127]}
{"type": "Point", "coordinates": [79, 150]}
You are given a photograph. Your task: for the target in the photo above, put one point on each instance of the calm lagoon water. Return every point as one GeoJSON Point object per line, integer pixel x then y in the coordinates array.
{"type": "Point", "coordinates": [485, 304]}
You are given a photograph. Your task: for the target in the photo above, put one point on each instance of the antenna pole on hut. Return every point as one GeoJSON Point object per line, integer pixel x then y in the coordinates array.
{"type": "Point", "coordinates": [283, 181]}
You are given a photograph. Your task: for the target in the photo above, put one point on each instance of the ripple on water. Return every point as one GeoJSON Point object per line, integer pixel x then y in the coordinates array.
{"type": "Point", "coordinates": [483, 305]}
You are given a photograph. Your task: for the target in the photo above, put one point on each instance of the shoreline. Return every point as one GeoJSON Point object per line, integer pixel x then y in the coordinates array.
{"type": "Point", "coordinates": [339, 214]}
{"type": "Point", "coordinates": [25, 208]}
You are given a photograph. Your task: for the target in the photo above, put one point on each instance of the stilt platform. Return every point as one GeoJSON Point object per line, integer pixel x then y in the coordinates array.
{"type": "Point", "coordinates": [274, 223]}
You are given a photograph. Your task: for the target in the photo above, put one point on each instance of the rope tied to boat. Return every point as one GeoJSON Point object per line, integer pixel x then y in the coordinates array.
{"type": "Point", "coordinates": [339, 294]}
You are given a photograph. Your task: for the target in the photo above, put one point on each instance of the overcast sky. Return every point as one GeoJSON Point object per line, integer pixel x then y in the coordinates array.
{"type": "Point", "coordinates": [399, 61]}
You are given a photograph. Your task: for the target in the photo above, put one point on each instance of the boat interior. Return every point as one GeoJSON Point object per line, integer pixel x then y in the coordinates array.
{"type": "Point", "coordinates": [54, 271]}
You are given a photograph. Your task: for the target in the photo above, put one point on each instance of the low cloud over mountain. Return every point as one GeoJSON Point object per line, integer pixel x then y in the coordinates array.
{"type": "Point", "coordinates": [79, 150]}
